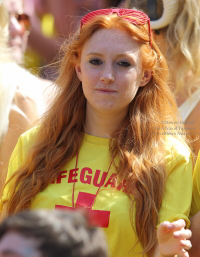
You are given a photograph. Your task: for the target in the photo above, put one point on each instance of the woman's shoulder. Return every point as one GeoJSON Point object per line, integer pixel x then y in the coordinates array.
{"type": "Point", "coordinates": [24, 144]}
{"type": "Point", "coordinates": [178, 145]}
{"type": "Point", "coordinates": [177, 151]}
{"type": "Point", "coordinates": [41, 91]}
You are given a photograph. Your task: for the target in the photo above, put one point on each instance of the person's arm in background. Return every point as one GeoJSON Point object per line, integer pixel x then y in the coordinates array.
{"type": "Point", "coordinates": [23, 113]}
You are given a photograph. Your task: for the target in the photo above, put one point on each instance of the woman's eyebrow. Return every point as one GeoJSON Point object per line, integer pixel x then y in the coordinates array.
{"type": "Point", "coordinates": [94, 53]}
{"type": "Point", "coordinates": [128, 54]}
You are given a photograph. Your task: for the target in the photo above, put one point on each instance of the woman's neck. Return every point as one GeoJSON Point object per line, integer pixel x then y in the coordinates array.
{"type": "Point", "coordinates": [102, 124]}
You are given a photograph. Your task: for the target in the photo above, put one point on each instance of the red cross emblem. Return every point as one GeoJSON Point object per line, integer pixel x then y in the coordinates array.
{"type": "Point", "coordinates": [96, 218]}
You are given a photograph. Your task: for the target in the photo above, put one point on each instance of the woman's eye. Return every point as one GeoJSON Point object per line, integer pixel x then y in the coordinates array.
{"type": "Point", "coordinates": [95, 62]}
{"type": "Point", "coordinates": [124, 64]}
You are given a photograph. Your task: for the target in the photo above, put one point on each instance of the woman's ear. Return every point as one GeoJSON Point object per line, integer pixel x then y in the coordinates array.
{"type": "Point", "coordinates": [146, 78]}
{"type": "Point", "coordinates": [78, 71]}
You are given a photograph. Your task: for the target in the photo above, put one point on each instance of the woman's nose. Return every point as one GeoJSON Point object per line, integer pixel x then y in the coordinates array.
{"type": "Point", "coordinates": [15, 27]}
{"type": "Point", "coordinates": [107, 75]}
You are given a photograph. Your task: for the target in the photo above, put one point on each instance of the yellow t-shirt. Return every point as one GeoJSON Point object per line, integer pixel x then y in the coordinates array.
{"type": "Point", "coordinates": [196, 188]}
{"type": "Point", "coordinates": [93, 163]}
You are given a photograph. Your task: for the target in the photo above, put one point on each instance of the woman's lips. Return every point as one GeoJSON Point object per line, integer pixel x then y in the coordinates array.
{"type": "Point", "coordinates": [106, 91]}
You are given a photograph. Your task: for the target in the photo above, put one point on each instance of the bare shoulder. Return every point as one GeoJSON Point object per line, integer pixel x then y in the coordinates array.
{"type": "Point", "coordinates": [23, 114]}
{"type": "Point", "coordinates": [24, 105]}
{"type": "Point", "coordinates": [18, 124]}
{"type": "Point", "coordinates": [42, 91]}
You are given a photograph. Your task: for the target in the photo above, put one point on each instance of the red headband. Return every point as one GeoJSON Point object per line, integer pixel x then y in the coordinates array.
{"type": "Point", "coordinates": [141, 18]}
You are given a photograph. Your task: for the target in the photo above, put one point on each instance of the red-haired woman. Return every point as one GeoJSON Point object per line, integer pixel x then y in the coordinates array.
{"type": "Point", "coordinates": [110, 142]}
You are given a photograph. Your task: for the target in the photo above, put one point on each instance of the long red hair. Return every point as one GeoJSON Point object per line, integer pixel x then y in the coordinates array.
{"type": "Point", "coordinates": [141, 151]}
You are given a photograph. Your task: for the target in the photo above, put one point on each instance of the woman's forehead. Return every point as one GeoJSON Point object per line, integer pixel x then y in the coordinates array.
{"type": "Point", "coordinates": [113, 40]}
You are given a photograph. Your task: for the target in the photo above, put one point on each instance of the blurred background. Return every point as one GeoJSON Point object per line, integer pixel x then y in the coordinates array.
{"type": "Point", "coordinates": [51, 22]}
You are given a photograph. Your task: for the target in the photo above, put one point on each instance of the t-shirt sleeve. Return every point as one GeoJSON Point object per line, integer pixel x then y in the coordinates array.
{"type": "Point", "coordinates": [196, 188]}
{"type": "Point", "coordinates": [16, 160]}
{"type": "Point", "coordinates": [177, 196]}
{"type": "Point", "coordinates": [14, 163]}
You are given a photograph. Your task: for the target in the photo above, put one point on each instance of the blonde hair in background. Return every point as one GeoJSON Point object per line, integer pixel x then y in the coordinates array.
{"type": "Point", "coordinates": [183, 37]}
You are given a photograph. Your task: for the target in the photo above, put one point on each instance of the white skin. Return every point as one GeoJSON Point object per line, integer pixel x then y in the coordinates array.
{"type": "Point", "coordinates": [17, 34]}
{"type": "Point", "coordinates": [21, 246]}
{"type": "Point", "coordinates": [111, 73]}
{"type": "Point", "coordinates": [173, 239]}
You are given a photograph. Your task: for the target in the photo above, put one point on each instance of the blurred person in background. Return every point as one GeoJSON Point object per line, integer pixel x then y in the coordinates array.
{"type": "Point", "coordinates": [177, 32]}
{"type": "Point", "coordinates": [66, 16]}
{"type": "Point", "coordinates": [50, 234]}
{"type": "Point", "coordinates": [23, 97]}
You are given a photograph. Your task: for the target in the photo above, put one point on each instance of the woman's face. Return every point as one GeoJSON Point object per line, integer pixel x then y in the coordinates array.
{"type": "Point", "coordinates": [110, 70]}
